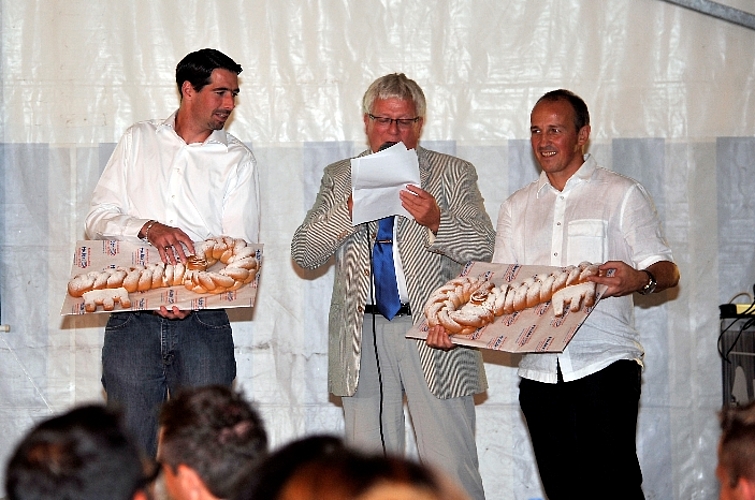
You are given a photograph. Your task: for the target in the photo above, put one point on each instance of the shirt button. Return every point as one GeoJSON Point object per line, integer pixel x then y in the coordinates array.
{"type": "Point", "coordinates": [558, 223]}
{"type": "Point", "coordinates": [555, 254]}
{"type": "Point", "coordinates": [366, 272]}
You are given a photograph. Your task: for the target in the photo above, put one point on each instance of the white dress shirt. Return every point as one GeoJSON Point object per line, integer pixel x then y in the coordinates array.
{"type": "Point", "coordinates": [206, 189]}
{"type": "Point", "coordinates": [599, 216]}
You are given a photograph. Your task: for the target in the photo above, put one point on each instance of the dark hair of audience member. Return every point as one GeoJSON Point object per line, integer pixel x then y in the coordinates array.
{"type": "Point", "coordinates": [216, 432]}
{"type": "Point", "coordinates": [83, 454]}
{"type": "Point", "coordinates": [737, 443]}
{"type": "Point", "coordinates": [321, 467]}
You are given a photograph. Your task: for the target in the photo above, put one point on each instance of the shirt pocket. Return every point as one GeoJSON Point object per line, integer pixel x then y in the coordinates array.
{"type": "Point", "coordinates": [587, 241]}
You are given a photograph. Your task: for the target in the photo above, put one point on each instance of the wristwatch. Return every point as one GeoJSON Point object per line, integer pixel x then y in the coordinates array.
{"type": "Point", "coordinates": [650, 286]}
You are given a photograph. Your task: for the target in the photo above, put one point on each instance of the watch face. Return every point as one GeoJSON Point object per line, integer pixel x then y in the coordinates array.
{"type": "Point", "coordinates": [650, 286]}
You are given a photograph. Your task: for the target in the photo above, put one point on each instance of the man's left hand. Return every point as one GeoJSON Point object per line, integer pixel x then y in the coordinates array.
{"type": "Point", "coordinates": [422, 206]}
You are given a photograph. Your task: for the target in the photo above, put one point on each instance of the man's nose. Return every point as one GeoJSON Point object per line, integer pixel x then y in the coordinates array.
{"type": "Point", "coordinates": [229, 102]}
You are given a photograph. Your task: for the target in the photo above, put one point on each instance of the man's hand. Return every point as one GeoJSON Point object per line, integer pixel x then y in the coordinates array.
{"type": "Point", "coordinates": [625, 280]}
{"type": "Point", "coordinates": [172, 243]}
{"type": "Point", "coordinates": [422, 206]}
{"type": "Point", "coordinates": [174, 313]}
{"type": "Point", "coordinates": [438, 338]}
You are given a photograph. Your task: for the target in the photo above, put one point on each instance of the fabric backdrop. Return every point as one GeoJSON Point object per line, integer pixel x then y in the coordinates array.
{"type": "Point", "coordinates": [673, 105]}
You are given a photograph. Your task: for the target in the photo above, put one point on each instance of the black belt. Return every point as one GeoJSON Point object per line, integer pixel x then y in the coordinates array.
{"type": "Point", "coordinates": [404, 310]}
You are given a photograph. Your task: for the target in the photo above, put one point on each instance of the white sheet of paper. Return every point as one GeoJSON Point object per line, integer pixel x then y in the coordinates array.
{"type": "Point", "coordinates": [377, 179]}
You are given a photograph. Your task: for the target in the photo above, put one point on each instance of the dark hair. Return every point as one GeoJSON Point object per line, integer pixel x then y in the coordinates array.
{"type": "Point", "coordinates": [214, 431]}
{"type": "Point", "coordinates": [198, 66]}
{"type": "Point", "coordinates": [83, 454]}
{"type": "Point", "coordinates": [737, 444]}
{"type": "Point", "coordinates": [319, 467]}
{"type": "Point", "coordinates": [266, 482]}
{"type": "Point", "coordinates": [581, 114]}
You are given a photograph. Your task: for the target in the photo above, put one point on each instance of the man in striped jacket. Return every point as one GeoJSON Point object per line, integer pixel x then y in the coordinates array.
{"type": "Point", "coordinates": [372, 365]}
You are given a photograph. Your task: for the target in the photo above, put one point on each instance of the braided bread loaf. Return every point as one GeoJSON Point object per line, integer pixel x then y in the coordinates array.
{"type": "Point", "coordinates": [464, 304]}
{"type": "Point", "coordinates": [107, 298]}
{"type": "Point", "coordinates": [240, 261]}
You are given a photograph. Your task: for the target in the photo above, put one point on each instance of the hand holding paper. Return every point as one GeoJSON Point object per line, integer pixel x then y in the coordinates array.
{"type": "Point", "coordinates": [378, 179]}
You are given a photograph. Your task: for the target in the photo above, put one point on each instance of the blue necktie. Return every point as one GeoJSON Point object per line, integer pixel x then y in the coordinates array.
{"type": "Point", "coordinates": [386, 289]}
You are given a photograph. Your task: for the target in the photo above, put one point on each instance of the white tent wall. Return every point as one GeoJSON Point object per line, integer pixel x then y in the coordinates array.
{"type": "Point", "coordinates": [672, 101]}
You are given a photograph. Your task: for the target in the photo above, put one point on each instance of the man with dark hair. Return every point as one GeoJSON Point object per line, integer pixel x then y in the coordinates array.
{"type": "Point", "coordinates": [372, 365]}
{"type": "Point", "coordinates": [736, 453]}
{"type": "Point", "coordinates": [81, 455]}
{"type": "Point", "coordinates": [322, 467]}
{"type": "Point", "coordinates": [210, 439]}
{"type": "Point", "coordinates": [581, 405]}
{"type": "Point", "coordinates": [197, 67]}
{"type": "Point", "coordinates": [171, 183]}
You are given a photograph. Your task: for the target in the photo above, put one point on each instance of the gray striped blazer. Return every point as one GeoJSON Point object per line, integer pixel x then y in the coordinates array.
{"type": "Point", "coordinates": [465, 234]}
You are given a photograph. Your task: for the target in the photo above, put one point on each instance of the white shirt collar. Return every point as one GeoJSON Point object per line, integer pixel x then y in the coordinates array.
{"type": "Point", "coordinates": [216, 137]}
{"type": "Point", "coordinates": [584, 173]}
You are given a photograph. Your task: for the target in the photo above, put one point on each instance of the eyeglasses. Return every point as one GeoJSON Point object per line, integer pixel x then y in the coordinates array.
{"type": "Point", "coordinates": [385, 122]}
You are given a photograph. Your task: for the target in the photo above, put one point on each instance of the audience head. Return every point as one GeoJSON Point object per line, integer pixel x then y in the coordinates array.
{"type": "Point", "coordinates": [209, 438]}
{"type": "Point", "coordinates": [736, 452]}
{"type": "Point", "coordinates": [197, 67]}
{"type": "Point", "coordinates": [323, 467]}
{"type": "Point", "coordinates": [81, 455]}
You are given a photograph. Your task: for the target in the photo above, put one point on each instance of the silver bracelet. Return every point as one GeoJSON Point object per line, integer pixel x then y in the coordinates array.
{"type": "Point", "coordinates": [146, 231]}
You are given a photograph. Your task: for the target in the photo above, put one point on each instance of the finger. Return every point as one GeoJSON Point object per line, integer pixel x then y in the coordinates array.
{"type": "Point", "coordinates": [410, 200]}
{"type": "Point", "coordinates": [164, 254]}
{"type": "Point", "coordinates": [168, 255]}
{"type": "Point", "coordinates": [179, 253]}
{"type": "Point", "coordinates": [417, 191]}
{"type": "Point", "coordinates": [438, 338]}
{"type": "Point", "coordinates": [184, 239]}
{"type": "Point", "coordinates": [181, 313]}
{"type": "Point", "coordinates": [432, 337]}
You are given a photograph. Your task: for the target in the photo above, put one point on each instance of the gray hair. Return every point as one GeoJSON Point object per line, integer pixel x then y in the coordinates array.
{"type": "Point", "coordinates": [394, 86]}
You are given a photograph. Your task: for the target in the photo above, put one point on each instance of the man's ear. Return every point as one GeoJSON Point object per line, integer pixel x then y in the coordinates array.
{"type": "Point", "coordinates": [186, 89]}
{"type": "Point", "coordinates": [189, 479]}
{"type": "Point", "coordinates": [746, 488]}
{"type": "Point", "coordinates": [583, 135]}
{"type": "Point", "coordinates": [141, 495]}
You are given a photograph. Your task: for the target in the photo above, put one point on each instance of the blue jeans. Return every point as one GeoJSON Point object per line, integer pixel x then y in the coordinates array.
{"type": "Point", "coordinates": [145, 357]}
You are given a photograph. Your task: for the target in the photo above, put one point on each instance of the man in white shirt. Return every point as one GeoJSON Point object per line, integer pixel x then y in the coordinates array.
{"type": "Point", "coordinates": [171, 183]}
{"type": "Point", "coordinates": [581, 405]}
